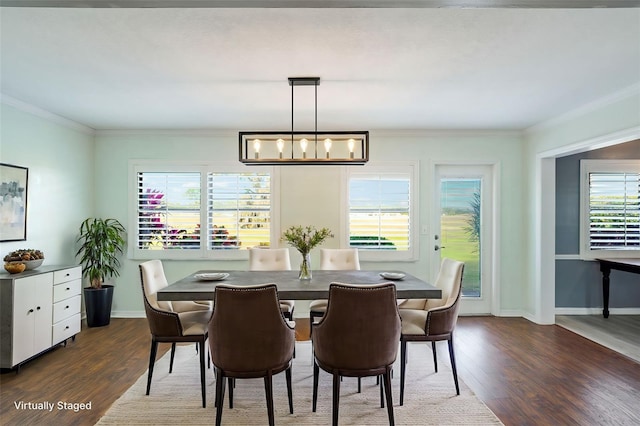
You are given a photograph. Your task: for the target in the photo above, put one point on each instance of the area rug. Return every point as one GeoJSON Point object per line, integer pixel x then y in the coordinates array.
{"type": "Point", "coordinates": [175, 399]}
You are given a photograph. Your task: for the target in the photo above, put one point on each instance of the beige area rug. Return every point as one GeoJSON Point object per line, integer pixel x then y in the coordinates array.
{"type": "Point", "coordinates": [175, 399]}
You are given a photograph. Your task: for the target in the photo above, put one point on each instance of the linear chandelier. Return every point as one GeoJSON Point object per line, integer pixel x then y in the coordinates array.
{"type": "Point", "coordinates": [304, 147]}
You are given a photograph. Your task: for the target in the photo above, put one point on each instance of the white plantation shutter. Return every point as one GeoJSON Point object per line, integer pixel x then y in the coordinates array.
{"type": "Point", "coordinates": [168, 210]}
{"type": "Point", "coordinates": [381, 211]}
{"type": "Point", "coordinates": [614, 211]}
{"type": "Point", "coordinates": [239, 210]}
{"type": "Point", "coordinates": [208, 210]}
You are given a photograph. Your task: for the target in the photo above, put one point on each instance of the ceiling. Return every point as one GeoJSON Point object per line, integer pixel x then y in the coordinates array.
{"type": "Point", "coordinates": [381, 68]}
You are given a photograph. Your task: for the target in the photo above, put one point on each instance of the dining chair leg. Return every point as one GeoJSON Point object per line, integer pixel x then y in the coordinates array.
{"type": "Point", "coordinates": [336, 398]}
{"type": "Point", "coordinates": [359, 384]}
{"type": "Point", "coordinates": [219, 395]}
{"type": "Point", "coordinates": [289, 389]}
{"type": "Point", "coordinates": [232, 384]}
{"type": "Point", "coordinates": [268, 389]}
{"type": "Point", "coordinates": [387, 391]}
{"type": "Point", "coordinates": [403, 367]}
{"type": "Point", "coordinates": [316, 372]}
{"type": "Point", "coordinates": [152, 361]}
{"type": "Point", "coordinates": [173, 354]}
{"type": "Point", "coordinates": [435, 356]}
{"type": "Point", "coordinates": [379, 383]}
{"type": "Point", "coordinates": [202, 380]}
{"type": "Point", "coordinates": [453, 364]}
{"type": "Point", "coordinates": [215, 379]}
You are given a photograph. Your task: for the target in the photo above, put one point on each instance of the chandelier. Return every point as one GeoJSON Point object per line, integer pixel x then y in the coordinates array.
{"type": "Point", "coordinates": [304, 147]}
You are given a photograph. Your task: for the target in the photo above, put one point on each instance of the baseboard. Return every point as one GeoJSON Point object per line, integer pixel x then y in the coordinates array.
{"type": "Point", "coordinates": [597, 311]}
{"type": "Point", "coordinates": [128, 314]}
{"type": "Point", "coordinates": [512, 313]}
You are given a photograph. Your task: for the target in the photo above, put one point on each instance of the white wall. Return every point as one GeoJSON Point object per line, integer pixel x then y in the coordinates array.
{"type": "Point", "coordinates": [312, 195]}
{"type": "Point", "coordinates": [60, 188]}
{"type": "Point", "coordinates": [611, 121]}
{"type": "Point", "coordinates": [74, 175]}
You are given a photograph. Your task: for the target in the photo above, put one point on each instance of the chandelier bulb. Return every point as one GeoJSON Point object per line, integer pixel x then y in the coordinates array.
{"type": "Point", "coordinates": [327, 146]}
{"type": "Point", "coordinates": [256, 147]}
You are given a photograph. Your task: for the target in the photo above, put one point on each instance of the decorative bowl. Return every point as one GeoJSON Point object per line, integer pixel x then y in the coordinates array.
{"type": "Point", "coordinates": [31, 264]}
{"type": "Point", "coordinates": [392, 275]}
{"type": "Point", "coordinates": [14, 267]}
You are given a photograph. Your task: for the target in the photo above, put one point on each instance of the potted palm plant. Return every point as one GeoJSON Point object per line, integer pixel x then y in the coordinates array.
{"type": "Point", "coordinates": [101, 244]}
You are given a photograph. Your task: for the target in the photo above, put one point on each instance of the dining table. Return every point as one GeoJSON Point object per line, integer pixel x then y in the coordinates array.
{"type": "Point", "coordinates": [606, 265]}
{"type": "Point", "coordinates": [201, 285]}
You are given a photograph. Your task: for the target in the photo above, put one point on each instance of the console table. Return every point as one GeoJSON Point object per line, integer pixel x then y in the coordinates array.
{"type": "Point", "coordinates": [606, 265]}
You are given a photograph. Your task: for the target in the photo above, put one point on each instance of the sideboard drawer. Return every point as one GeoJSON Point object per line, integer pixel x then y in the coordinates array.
{"type": "Point", "coordinates": [66, 308]}
{"type": "Point", "coordinates": [66, 290]}
{"type": "Point", "coordinates": [66, 328]}
{"type": "Point", "coordinates": [65, 275]}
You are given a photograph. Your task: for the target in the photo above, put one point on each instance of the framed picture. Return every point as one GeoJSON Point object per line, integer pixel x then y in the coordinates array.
{"type": "Point", "coordinates": [13, 202]}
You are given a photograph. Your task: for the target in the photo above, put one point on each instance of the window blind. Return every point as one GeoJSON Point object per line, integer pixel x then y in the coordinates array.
{"type": "Point", "coordinates": [614, 211]}
{"type": "Point", "coordinates": [239, 210]}
{"type": "Point", "coordinates": [379, 212]}
{"type": "Point", "coordinates": [168, 210]}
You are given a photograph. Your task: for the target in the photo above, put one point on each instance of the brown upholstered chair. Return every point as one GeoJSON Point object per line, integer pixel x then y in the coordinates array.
{"type": "Point", "coordinates": [243, 348]}
{"type": "Point", "coordinates": [169, 326]}
{"type": "Point", "coordinates": [435, 321]}
{"type": "Point", "coordinates": [357, 337]}
{"type": "Point", "coordinates": [332, 260]}
{"type": "Point", "coordinates": [263, 259]}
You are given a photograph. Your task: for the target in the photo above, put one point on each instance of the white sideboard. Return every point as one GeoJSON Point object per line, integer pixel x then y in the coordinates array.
{"type": "Point", "coordinates": [39, 309]}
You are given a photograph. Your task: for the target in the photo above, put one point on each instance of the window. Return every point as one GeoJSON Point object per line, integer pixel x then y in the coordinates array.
{"type": "Point", "coordinates": [610, 214]}
{"type": "Point", "coordinates": [239, 210]}
{"type": "Point", "coordinates": [199, 211]}
{"type": "Point", "coordinates": [382, 210]}
{"type": "Point", "coordinates": [168, 210]}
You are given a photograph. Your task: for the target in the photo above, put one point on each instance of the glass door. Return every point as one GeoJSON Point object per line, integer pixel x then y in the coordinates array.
{"type": "Point", "coordinates": [462, 229]}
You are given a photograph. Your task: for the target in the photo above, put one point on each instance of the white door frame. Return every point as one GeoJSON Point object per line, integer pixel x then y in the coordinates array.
{"type": "Point", "coordinates": [492, 276]}
{"type": "Point", "coordinates": [544, 284]}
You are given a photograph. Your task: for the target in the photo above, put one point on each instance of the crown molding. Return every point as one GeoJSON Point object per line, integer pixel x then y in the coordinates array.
{"type": "Point", "coordinates": [631, 91]}
{"type": "Point", "coordinates": [49, 116]}
{"type": "Point", "coordinates": [226, 133]}
{"type": "Point", "coordinates": [455, 4]}
{"type": "Point", "coordinates": [445, 133]}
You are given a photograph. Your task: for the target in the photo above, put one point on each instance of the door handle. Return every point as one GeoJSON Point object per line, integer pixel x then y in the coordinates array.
{"type": "Point", "coordinates": [437, 247]}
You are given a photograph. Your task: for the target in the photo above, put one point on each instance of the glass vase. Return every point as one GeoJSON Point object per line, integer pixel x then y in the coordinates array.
{"type": "Point", "coordinates": [305, 267]}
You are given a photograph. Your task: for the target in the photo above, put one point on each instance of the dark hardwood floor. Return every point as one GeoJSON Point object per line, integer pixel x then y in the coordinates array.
{"type": "Point", "coordinates": [526, 373]}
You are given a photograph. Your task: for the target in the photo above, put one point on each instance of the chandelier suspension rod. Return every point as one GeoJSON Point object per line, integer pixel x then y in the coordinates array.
{"type": "Point", "coordinates": [292, 120]}
{"type": "Point", "coordinates": [316, 129]}
{"type": "Point", "coordinates": [268, 146]}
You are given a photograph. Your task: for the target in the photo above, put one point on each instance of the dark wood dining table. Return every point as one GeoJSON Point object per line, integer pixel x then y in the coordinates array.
{"type": "Point", "coordinates": [292, 288]}
{"type": "Point", "coordinates": [606, 265]}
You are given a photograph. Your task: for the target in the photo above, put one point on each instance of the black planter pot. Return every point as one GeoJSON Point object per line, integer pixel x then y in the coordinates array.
{"type": "Point", "coordinates": [97, 302]}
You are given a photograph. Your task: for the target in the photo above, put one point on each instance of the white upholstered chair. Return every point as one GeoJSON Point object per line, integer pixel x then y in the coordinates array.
{"type": "Point", "coordinates": [434, 320]}
{"type": "Point", "coordinates": [333, 260]}
{"type": "Point", "coordinates": [156, 270]}
{"type": "Point", "coordinates": [263, 259]}
{"type": "Point", "coordinates": [171, 322]}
